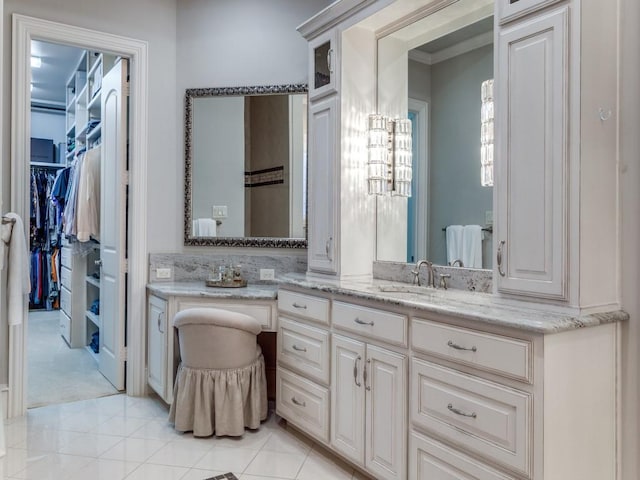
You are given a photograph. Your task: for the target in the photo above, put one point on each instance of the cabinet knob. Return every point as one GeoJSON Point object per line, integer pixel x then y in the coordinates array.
{"type": "Point", "coordinates": [98, 263]}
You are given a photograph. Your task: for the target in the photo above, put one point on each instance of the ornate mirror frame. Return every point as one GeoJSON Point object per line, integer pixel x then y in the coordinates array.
{"type": "Point", "coordinates": [189, 240]}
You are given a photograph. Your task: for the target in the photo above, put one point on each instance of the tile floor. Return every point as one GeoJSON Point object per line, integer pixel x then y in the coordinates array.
{"type": "Point", "coordinates": [120, 437]}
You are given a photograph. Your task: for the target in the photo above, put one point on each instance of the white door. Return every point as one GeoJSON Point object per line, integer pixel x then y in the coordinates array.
{"type": "Point", "coordinates": [531, 179]}
{"type": "Point", "coordinates": [347, 398]}
{"type": "Point", "coordinates": [386, 443]}
{"type": "Point", "coordinates": [113, 224]}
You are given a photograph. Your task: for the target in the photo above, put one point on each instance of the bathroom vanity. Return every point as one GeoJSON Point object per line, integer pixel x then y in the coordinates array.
{"type": "Point", "coordinates": [447, 384]}
{"type": "Point", "coordinates": [164, 300]}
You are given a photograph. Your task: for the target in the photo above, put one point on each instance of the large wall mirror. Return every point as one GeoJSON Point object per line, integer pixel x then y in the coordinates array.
{"type": "Point", "coordinates": [245, 166]}
{"type": "Point", "coordinates": [431, 70]}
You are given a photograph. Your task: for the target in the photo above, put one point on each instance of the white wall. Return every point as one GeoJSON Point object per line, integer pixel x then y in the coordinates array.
{"type": "Point", "coordinates": [236, 43]}
{"type": "Point", "coordinates": [121, 17]}
{"type": "Point", "coordinates": [48, 125]}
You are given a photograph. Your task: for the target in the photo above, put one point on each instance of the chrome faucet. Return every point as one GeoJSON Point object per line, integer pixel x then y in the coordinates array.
{"type": "Point", "coordinates": [431, 276]}
{"type": "Point", "coordinates": [457, 263]}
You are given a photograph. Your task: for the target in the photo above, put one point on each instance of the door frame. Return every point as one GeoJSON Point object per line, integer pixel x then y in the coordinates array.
{"type": "Point", "coordinates": [421, 176]}
{"type": "Point", "coordinates": [25, 29]}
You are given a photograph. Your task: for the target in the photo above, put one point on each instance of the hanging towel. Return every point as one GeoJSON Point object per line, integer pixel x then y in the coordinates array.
{"type": "Point", "coordinates": [454, 243]}
{"type": "Point", "coordinates": [18, 284]}
{"type": "Point", "coordinates": [472, 246]}
{"type": "Point", "coordinates": [204, 227]}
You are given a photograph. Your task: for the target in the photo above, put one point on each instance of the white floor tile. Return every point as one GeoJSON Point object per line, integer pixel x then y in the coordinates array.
{"type": "Point", "coordinates": [120, 425]}
{"type": "Point", "coordinates": [318, 466]}
{"type": "Point", "coordinates": [275, 464]}
{"type": "Point", "coordinates": [52, 466]}
{"type": "Point", "coordinates": [179, 454]}
{"type": "Point", "coordinates": [14, 461]}
{"type": "Point", "coordinates": [46, 440]}
{"type": "Point", "coordinates": [134, 449]}
{"type": "Point", "coordinates": [157, 429]}
{"type": "Point", "coordinates": [147, 471]}
{"type": "Point", "coordinates": [104, 469]}
{"type": "Point", "coordinates": [254, 477]}
{"type": "Point", "coordinates": [89, 444]}
{"type": "Point", "coordinates": [286, 442]}
{"type": "Point", "coordinates": [227, 459]}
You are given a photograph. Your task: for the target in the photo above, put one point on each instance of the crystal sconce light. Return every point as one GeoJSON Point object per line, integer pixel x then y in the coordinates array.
{"type": "Point", "coordinates": [389, 156]}
{"type": "Point", "coordinates": [486, 134]}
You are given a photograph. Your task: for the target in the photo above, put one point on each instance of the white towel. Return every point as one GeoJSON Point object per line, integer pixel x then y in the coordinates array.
{"type": "Point", "coordinates": [454, 243]}
{"type": "Point", "coordinates": [472, 246]}
{"type": "Point", "coordinates": [18, 283]}
{"type": "Point", "coordinates": [204, 227]}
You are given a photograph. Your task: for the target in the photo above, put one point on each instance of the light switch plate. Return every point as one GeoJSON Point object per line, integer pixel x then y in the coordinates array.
{"type": "Point", "coordinates": [219, 211]}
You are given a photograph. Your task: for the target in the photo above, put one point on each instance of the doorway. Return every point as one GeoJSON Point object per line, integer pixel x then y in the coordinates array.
{"type": "Point", "coordinates": [26, 29]}
{"type": "Point", "coordinates": [68, 174]}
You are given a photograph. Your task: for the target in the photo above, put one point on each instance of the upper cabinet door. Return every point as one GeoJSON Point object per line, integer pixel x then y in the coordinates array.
{"type": "Point", "coordinates": [531, 175]}
{"type": "Point", "coordinates": [323, 74]}
{"type": "Point", "coordinates": [511, 9]}
{"type": "Point", "coordinates": [323, 186]}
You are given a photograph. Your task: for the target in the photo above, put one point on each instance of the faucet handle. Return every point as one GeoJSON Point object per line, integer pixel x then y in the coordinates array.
{"type": "Point", "coordinates": [443, 280]}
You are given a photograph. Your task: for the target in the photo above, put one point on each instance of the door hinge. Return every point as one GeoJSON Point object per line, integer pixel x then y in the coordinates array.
{"type": "Point", "coordinates": [123, 354]}
{"type": "Point", "coordinates": [126, 89]}
{"type": "Point", "coordinates": [125, 266]}
{"type": "Point", "coordinates": [125, 177]}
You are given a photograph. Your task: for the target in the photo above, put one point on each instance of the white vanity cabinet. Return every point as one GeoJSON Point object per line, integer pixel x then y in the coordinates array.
{"type": "Point", "coordinates": [163, 302]}
{"type": "Point", "coordinates": [368, 406]}
{"type": "Point", "coordinates": [323, 71]}
{"type": "Point", "coordinates": [157, 346]}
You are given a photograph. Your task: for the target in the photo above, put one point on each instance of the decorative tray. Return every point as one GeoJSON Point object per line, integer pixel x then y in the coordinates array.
{"type": "Point", "coordinates": [221, 284]}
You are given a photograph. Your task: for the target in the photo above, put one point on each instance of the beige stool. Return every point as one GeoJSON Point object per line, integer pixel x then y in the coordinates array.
{"type": "Point", "coordinates": [221, 385]}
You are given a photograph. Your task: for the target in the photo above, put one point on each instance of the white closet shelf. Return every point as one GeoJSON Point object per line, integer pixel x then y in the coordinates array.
{"type": "Point", "coordinates": [95, 319]}
{"type": "Point", "coordinates": [95, 133]}
{"type": "Point", "coordinates": [94, 103]}
{"type": "Point", "coordinates": [93, 281]}
{"type": "Point", "coordinates": [71, 130]}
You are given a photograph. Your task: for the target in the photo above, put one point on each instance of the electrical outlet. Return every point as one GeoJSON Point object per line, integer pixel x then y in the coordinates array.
{"type": "Point", "coordinates": [163, 273]}
{"type": "Point", "coordinates": [488, 217]}
{"type": "Point", "coordinates": [267, 274]}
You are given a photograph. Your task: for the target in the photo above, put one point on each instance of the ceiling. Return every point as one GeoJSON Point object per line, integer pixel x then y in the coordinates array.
{"type": "Point", "coordinates": [49, 81]}
{"type": "Point", "coordinates": [465, 33]}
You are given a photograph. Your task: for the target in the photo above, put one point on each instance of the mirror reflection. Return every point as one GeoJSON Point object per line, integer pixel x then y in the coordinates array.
{"type": "Point", "coordinates": [245, 166]}
{"type": "Point", "coordinates": [443, 60]}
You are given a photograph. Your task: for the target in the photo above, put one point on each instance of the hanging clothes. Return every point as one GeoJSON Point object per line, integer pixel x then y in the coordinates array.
{"type": "Point", "coordinates": [87, 215]}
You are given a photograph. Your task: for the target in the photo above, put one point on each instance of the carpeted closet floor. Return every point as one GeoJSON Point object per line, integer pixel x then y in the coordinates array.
{"type": "Point", "coordinates": [57, 373]}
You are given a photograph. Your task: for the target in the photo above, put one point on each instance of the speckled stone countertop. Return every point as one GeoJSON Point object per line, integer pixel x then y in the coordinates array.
{"type": "Point", "coordinates": [199, 289]}
{"type": "Point", "coordinates": [471, 306]}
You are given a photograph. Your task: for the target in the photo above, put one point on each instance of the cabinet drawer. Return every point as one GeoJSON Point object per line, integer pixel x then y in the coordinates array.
{"type": "Point", "coordinates": [385, 326]}
{"type": "Point", "coordinates": [66, 257]}
{"type": "Point", "coordinates": [487, 418]}
{"type": "Point", "coordinates": [65, 327]}
{"type": "Point", "coordinates": [494, 353]}
{"type": "Point", "coordinates": [303, 403]}
{"type": "Point", "coordinates": [307, 306]}
{"type": "Point", "coordinates": [304, 348]}
{"type": "Point", "coordinates": [65, 301]}
{"type": "Point", "coordinates": [65, 277]}
{"type": "Point", "coordinates": [429, 460]}
{"type": "Point", "coordinates": [259, 311]}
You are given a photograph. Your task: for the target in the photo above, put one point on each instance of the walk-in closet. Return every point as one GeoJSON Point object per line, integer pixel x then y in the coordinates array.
{"type": "Point", "coordinates": [67, 174]}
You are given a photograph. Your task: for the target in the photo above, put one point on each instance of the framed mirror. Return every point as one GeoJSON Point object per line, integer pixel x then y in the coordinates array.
{"type": "Point", "coordinates": [431, 70]}
{"type": "Point", "coordinates": [246, 166]}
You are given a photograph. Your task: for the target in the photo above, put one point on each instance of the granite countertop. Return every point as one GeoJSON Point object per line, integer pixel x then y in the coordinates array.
{"type": "Point", "coordinates": [199, 289]}
{"type": "Point", "coordinates": [472, 306]}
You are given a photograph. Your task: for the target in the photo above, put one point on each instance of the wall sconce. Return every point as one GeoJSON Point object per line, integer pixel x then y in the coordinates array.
{"type": "Point", "coordinates": [486, 134]}
{"type": "Point", "coordinates": [389, 165]}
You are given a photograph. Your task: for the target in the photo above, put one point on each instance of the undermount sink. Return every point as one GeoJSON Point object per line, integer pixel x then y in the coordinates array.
{"type": "Point", "coordinates": [405, 289]}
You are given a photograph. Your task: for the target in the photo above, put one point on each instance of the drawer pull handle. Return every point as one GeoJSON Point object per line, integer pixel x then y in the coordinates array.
{"type": "Point", "coordinates": [499, 258]}
{"type": "Point", "coordinates": [298, 305]}
{"type": "Point", "coordinates": [299, 403]}
{"type": "Point", "coordinates": [458, 347]}
{"type": "Point", "coordinates": [298, 349]}
{"type": "Point", "coordinates": [362, 322]}
{"type": "Point", "coordinates": [355, 371]}
{"type": "Point", "coordinates": [453, 409]}
{"type": "Point", "coordinates": [364, 376]}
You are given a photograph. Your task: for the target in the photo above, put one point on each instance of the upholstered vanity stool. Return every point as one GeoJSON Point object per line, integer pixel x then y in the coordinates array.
{"type": "Point", "coordinates": [221, 385]}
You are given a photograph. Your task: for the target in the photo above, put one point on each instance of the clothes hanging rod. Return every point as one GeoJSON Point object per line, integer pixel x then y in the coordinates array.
{"type": "Point", "coordinates": [484, 229]}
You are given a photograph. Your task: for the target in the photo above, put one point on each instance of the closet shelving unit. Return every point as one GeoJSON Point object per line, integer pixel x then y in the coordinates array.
{"type": "Point", "coordinates": [83, 121]}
